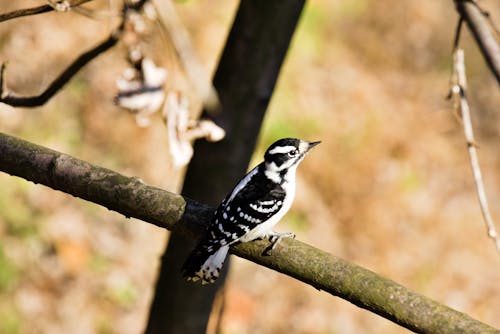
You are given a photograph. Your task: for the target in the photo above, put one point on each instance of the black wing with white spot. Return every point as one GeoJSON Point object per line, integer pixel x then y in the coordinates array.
{"type": "Point", "coordinates": [253, 203]}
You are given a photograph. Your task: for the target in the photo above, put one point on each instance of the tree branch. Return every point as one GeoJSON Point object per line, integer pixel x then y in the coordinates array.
{"type": "Point", "coordinates": [132, 198]}
{"type": "Point", "coordinates": [126, 195]}
{"type": "Point", "coordinates": [481, 29]}
{"type": "Point", "coordinates": [37, 10]}
{"type": "Point", "coordinates": [458, 90]}
{"type": "Point", "coordinates": [63, 78]}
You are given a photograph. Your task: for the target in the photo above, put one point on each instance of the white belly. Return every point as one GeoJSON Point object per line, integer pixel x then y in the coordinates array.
{"type": "Point", "coordinates": [261, 230]}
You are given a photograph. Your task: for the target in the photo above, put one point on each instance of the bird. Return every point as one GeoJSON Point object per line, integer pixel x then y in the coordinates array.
{"type": "Point", "coordinates": [250, 210]}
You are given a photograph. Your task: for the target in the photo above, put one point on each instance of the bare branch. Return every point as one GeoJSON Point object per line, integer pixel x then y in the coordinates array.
{"type": "Point", "coordinates": [458, 30]}
{"type": "Point", "coordinates": [478, 22]}
{"type": "Point", "coordinates": [456, 43]}
{"type": "Point", "coordinates": [3, 87]}
{"type": "Point", "coordinates": [37, 10]}
{"type": "Point", "coordinates": [458, 90]}
{"type": "Point", "coordinates": [63, 78]}
{"type": "Point", "coordinates": [132, 198]}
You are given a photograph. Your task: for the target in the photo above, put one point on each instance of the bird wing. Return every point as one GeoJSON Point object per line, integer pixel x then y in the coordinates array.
{"type": "Point", "coordinates": [253, 201]}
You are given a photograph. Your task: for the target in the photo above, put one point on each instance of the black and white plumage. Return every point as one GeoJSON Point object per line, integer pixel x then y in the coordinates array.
{"type": "Point", "coordinates": [251, 210]}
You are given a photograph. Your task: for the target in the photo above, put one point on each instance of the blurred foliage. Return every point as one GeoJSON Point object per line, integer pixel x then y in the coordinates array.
{"type": "Point", "coordinates": [11, 321]}
{"type": "Point", "coordinates": [17, 217]}
{"type": "Point", "coordinates": [123, 294]}
{"type": "Point", "coordinates": [8, 272]}
{"type": "Point", "coordinates": [99, 263]}
{"type": "Point", "coordinates": [298, 222]}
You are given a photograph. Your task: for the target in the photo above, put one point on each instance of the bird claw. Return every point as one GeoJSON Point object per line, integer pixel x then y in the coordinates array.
{"type": "Point", "coordinates": [275, 238]}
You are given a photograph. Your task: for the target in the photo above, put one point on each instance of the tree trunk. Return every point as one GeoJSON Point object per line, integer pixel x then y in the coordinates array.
{"type": "Point", "coordinates": [245, 79]}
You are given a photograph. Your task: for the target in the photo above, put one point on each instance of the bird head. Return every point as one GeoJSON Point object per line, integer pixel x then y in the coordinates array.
{"type": "Point", "coordinates": [287, 153]}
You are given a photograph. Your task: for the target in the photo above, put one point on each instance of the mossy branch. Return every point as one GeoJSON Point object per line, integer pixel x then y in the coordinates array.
{"type": "Point", "coordinates": [126, 195]}
{"type": "Point", "coordinates": [132, 198]}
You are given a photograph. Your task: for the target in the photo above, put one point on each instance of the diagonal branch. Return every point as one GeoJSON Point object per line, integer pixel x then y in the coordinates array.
{"type": "Point", "coordinates": [37, 10]}
{"type": "Point", "coordinates": [61, 80]}
{"type": "Point", "coordinates": [66, 75]}
{"type": "Point", "coordinates": [132, 198]}
{"type": "Point", "coordinates": [128, 196]}
{"type": "Point", "coordinates": [481, 29]}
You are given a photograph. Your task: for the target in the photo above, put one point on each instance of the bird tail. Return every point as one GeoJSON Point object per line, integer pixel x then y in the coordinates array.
{"type": "Point", "coordinates": [203, 264]}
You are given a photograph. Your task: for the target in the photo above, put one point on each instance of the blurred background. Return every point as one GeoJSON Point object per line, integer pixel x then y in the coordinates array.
{"type": "Point", "coordinates": [390, 187]}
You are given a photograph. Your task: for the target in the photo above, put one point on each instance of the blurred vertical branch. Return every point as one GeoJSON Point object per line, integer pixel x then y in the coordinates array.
{"type": "Point", "coordinates": [483, 31]}
{"type": "Point", "coordinates": [198, 76]}
{"type": "Point", "coordinates": [245, 79]}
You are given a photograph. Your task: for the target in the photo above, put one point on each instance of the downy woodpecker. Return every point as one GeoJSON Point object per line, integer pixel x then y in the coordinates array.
{"type": "Point", "coordinates": [251, 210]}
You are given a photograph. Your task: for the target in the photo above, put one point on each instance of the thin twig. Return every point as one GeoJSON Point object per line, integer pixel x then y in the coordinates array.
{"type": "Point", "coordinates": [456, 42]}
{"type": "Point", "coordinates": [458, 90]}
{"type": "Point", "coordinates": [63, 78]}
{"type": "Point", "coordinates": [36, 10]}
{"type": "Point", "coordinates": [68, 73]}
{"type": "Point", "coordinates": [458, 31]}
{"type": "Point", "coordinates": [59, 5]}
{"type": "Point", "coordinates": [480, 24]}
{"type": "Point", "coordinates": [3, 88]}
{"type": "Point", "coordinates": [487, 15]}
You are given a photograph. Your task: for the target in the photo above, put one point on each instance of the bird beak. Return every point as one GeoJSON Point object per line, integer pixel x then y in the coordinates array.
{"type": "Point", "coordinates": [312, 144]}
{"type": "Point", "coordinates": [305, 146]}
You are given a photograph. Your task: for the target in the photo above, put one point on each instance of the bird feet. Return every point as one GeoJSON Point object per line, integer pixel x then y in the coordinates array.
{"type": "Point", "coordinates": [275, 238]}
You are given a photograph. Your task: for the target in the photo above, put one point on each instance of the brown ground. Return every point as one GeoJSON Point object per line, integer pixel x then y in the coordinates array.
{"type": "Point", "coordinates": [390, 188]}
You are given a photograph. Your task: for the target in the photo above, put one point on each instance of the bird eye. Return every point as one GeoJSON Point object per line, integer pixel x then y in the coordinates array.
{"type": "Point", "coordinates": [293, 153]}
